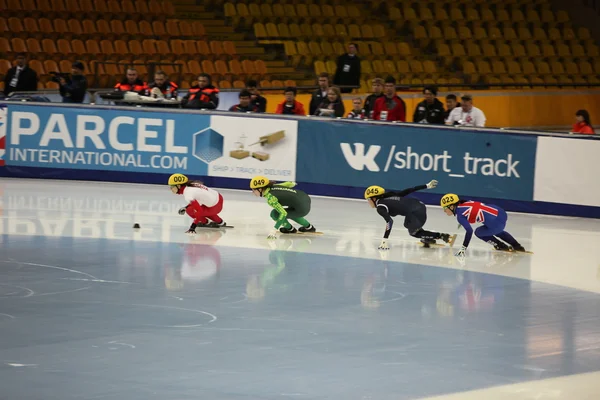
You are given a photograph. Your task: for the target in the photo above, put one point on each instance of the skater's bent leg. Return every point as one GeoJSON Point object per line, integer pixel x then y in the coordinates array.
{"type": "Point", "coordinates": [302, 221]}
{"type": "Point", "coordinates": [195, 211]}
{"type": "Point", "coordinates": [508, 238]}
{"type": "Point", "coordinates": [274, 215]}
{"type": "Point", "coordinates": [423, 234]}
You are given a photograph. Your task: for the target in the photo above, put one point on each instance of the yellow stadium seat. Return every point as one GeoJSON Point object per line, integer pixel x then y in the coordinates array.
{"type": "Point", "coordinates": [502, 15]}
{"type": "Point", "coordinates": [483, 68]}
{"type": "Point", "coordinates": [354, 31]}
{"type": "Point", "coordinates": [518, 50]}
{"type": "Point", "coordinates": [328, 30]}
{"type": "Point", "coordinates": [577, 50]}
{"type": "Point", "coordinates": [472, 14]}
{"type": "Point", "coordinates": [283, 30]}
{"type": "Point", "coordinates": [517, 15]}
{"type": "Point", "coordinates": [259, 31]}
{"type": "Point", "coordinates": [416, 81]}
{"type": "Point", "coordinates": [548, 50]}
{"type": "Point", "coordinates": [443, 50]}
{"type": "Point", "coordinates": [327, 11]}
{"type": "Point", "coordinates": [539, 34]}
{"type": "Point", "coordinates": [543, 68]}
{"type": "Point", "coordinates": [317, 30]}
{"type": "Point", "coordinates": [271, 30]}
{"type": "Point", "coordinates": [464, 33]}
{"type": "Point", "coordinates": [314, 48]}
{"type": "Point", "coordinates": [340, 12]}
{"type": "Point", "coordinates": [425, 13]}
{"type": "Point", "coordinates": [456, 14]}
{"type": "Point", "coordinates": [440, 13]}
{"type": "Point", "coordinates": [419, 32]}
{"type": "Point", "coordinates": [479, 33]}
{"type": "Point", "coordinates": [533, 50]}
{"type": "Point", "coordinates": [562, 17]}
{"type": "Point", "coordinates": [513, 68]}
{"type": "Point", "coordinates": [367, 32]}
{"type": "Point", "coordinates": [563, 50]}
{"type": "Point", "coordinates": [378, 66]}
{"type": "Point", "coordinates": [469, 68]}
{"type": "Point", "coordinates": [389, 66]}
{"type": "Point", "coordinates": [278, 10]}
{"type": "Point", "coordinates": [554, 34]}
{"type": "Point", "coordinates": [320, 67]}
{"type": "Point", "coordinates": [390, 48]}
{"type": "Point", "coordinates": [591, 50]}
{"type": "Point", "coordinates": [435, 33]}
{"type": "Point", "coordinates": [331, 67]}
{"type": "Point", "coordinates": [524, 34]}
{"type": "Point", "coordinates": [571, 68]}
{"type": "Point", "coordinates": [314, 11]}
{"type": "Point", "coordinates": [568, 34]}
{"type": "Point", "coordinates": [306, 30]}
{"type": "Point", "coordinates": [403, 67]}
{"type": "Point", "coordinates": [585, 68]}
{"type": "Point", "coordinates": [327, 48]}
{"type": "Point", "coordinates": [378, 31]}
{"type": "Point", "coordinates": [473, 49]}
{"type": "Point", "coordinates": [266, 11]}
{"type": "Point", "coordinates": [495, 33]}
{"type": "Point", "coordinates": [498, 67]}
{"type": "Point", "coordinates": [504, 50]}
{"type": "Point", "coordinates": [532, 15]}
{"type": "Point", "coordinates": [429, 67]}
{"type": "Point", "coordinates": [547, 16]}
{"type": "Point", "coordinates": [536, 80]}
{"type": "Point", "coordinates": [489, 50]}
{"type": "Point", "coordinates": [458, 50]}
{"type": "Point", "coordinates": [340, 30]}
{"type": "Point", "coordinates": [528, 68]}
{"type": "Point", "coordinates": [365, 67]}
{"type": "Point", "coordinates": [394, 14]}
{"type": "Point", "coordinates": [416, 66]}
{"type": "Point", "coordinates": [338, 48]}
{"type": "Point", "coordinates": [557, 68]}
{"type": "Point", "coordinates": [295, 31]}
{"type": "Point", "coordinates": [404, 49]}
{"type": "Point", "coordinates": [450, 33]}
{"type": "Point", "coordinates": [377, 49]}
{"type": "Point", "coordinates": [487, 15]}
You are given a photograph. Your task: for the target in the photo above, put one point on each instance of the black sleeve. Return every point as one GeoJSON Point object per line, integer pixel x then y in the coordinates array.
{"type": "Point", "coordinates": [408, 191]}
{"type": "Point", "coordinates": [261, 103]}
{"type": "Point", "coordinates": [440, 115]}
{"type": "Point", "coordinates": [355, 73]}
{"type": "Point", "coordinates": [211, 104]}
{"type": "Point", "coordinates": [340, 110]}
{"type": "Point", "coordinates": [338, 69]}
{"type": "Point", "coordinates": [314, 104]}
{"type": "Point", "coordinates": [416, 116]}
{"type": "Point", "coordinates": [76, 88]}
{"type": "Point", "coordinates": [31, 81]}
{"type": "Point", "coordinates": [382, 210]}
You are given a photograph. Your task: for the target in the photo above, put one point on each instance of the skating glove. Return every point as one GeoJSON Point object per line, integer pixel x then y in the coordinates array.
{"type": "Point", "coordinates": [182, 211]}
{"type": "Point", "coordinates": [273, 234]}
{"type": "Point", "coordinates": [432, 184]}
{"type": "Point", "coordinates": [192, 229]}
{"type": "Point", "coordinates": [384, 245]}
{"type": "Point", "coordinates": [461, 252]}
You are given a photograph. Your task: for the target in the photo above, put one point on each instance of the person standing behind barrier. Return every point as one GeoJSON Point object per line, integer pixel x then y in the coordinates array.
{"type": "Point", "coordinates": [583, 126]}
{"type": "Point", "coordinates": [20, 78]}
{"type": "Point", "coordinates": [430, 110]}
{"type": "Point", "coordinates": [290, 106]}
{"type": "Point", "coordinates": [132, 83]}
{"type": "Point", "coordinates": [332, 105]}
{"type": "Point", "coordinates": [73, 90]}
{"type": "Point", "coordinates": [320, 94]}
{"type": "Point", "coordinates": [377, 86]}
{"type": "Point", "coordinates": [466, 114]}
{"type": "Point", "coordinates": [259, 101]}
{"type": "Point", "coordinates": [162, 87]}
{"type": "Point", "coordinates": [347, 72]}
{"type": "Point", "coordinates": [390, 107]}
{"type": "Point", "coordinates": [202, 94]}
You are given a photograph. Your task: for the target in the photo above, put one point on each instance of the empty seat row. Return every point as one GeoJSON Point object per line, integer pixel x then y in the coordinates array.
{"type": "Point", "coordinates": [366, 49]}
{"type": "Point", "coordinates": [172, 28]}
{"type": "Point", "coordinates": [142, 7]}
{"type": "Point", "coordinates": [300, 10]}
{"type": "Point", "coordinates": [283, 30]}
{"type": "Point", "coordinates": [463, 32]}
{"type": "Point", "coordinates": [109, 47]}
{"type": "Point", "coordinates": [512, 67]}
{"type": "Point", "coordinates": [470, 13]}
{"type": "Point", "coordinates": [531, 49]}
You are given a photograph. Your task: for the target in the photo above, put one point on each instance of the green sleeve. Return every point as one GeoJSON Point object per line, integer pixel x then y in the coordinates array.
{"type": "Point", "coordinates": [274, 202]}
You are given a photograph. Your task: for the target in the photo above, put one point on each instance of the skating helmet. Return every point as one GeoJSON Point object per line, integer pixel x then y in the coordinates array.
{"type": "Point", "coordinates": [374, 191]}
{"type": "Point", "coordinates": [448, 200]}
{"type": "Point", "coordinates": [259, 182]}
{"type": "Point", "coordinates": [177, 179]}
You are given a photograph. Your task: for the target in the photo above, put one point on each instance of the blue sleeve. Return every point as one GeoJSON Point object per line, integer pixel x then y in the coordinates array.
{"type": "Point", "coordinates": [389, 222]}
{"type": "Point", "coordinates": [468, 228]}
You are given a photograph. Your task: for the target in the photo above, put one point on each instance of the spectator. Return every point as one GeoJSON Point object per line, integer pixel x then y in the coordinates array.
{"type": "Point", "coordinates": [73, 89]}
{"type": "Point", "coordinates": [20, 78]}
{"type": "Point", "coordinates": [320, 94]}
{"type": "Point", "coordinates": [466, 114]}
{"type": "Point", "coordinates": [430, 110]}
{"type": "Point", "coordinates": [347, 72]}
{"type": "Point", "coordinates": [162, 87]}
{"type": "Point", "coordinates": [377, 86]}
{"type": "Point", "coordinates": [259, 101]}
{"type": "Point", "coordinates": [451, 104]}
{"type": "Point", "coordinates": [202, 94]}
{"type": "Point", "coordinates": [332, 105]}
{"type": "Point", "coordinates": [583, 125]}
{"type": "Point", "coordinates": [358, 112]}
{"type": "Point", "coordinates": [245, 103]}
{"type": "Point", "coordinates": [390, 107]}
{"type": "Point", "coordinates": [132, 83]}
{"type": "Point", "coordinates": [290, 105]}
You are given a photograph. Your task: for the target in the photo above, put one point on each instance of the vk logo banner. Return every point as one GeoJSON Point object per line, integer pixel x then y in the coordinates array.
{"type": "Point", "coordinates": [104, 139]}
{"type": "Point", "coordinates": [472, 163]}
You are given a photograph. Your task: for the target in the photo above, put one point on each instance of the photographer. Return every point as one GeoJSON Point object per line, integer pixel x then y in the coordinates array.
{"type": "Point", "coordinates": [72, 88]}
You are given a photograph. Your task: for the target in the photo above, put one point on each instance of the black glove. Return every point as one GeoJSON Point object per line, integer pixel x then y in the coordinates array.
{"type": "Point", "coordinates": [192, 229]}
{"type": "Point", "coordinates": [182, 210]}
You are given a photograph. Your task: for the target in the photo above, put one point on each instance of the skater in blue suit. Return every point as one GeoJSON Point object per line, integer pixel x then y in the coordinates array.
{"type": "Point", "coordinates": [492, 217]}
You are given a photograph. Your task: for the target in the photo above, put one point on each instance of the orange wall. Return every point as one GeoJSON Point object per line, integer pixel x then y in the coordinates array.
{"type": "Point", "coordinates": [510, 108]}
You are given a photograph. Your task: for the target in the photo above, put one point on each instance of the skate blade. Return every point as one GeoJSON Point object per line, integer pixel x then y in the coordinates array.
{"type": "Point", "coordinates": [431, 245]}
{"type": "Point", "coordinates": [452, 240]}
{"type": "Point", "coordinates": [514, 252]}
{"type": "Point", "coordinates": [214, 227]}
{"type": "Point", "coordinates": [303, 233]}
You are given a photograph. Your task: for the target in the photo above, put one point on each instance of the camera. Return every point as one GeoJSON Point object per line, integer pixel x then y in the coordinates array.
{"type": "Point", "coordinates": [55, 76]}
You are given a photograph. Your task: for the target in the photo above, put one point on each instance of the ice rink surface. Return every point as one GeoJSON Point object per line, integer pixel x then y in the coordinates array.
{"type": "Point", "coordinates": [93, 309]}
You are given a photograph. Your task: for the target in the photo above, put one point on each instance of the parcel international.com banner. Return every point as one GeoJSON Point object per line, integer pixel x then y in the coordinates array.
{"type": "Point", "coordinates": [149, 142]}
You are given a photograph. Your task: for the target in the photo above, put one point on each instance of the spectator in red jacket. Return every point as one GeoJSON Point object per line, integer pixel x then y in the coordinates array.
{"type": "Point", "coordinates": [290, 105]}
{"type": "Point", "coordinates": [583, 126]}
{"type": "Point", "coordinates": [389, 107]}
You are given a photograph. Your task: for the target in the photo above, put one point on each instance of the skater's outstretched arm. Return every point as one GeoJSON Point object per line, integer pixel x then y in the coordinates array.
{"type": "Point", "coordinates": [382, 210]}
{"type": "Point", "coordinates": [404, 192]}
{"type": "Point", "coordinates": [286, 184]}
{"type": "Point", "coordinates": [274, 202]}
{"type": "Point", "coordinates": [468, 229]}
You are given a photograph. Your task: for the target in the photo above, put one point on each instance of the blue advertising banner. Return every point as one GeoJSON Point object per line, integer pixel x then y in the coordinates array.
{"type": "Point", "coordinates": [112, 140]}
{"type": "Point", "coordinates": [472, 163]}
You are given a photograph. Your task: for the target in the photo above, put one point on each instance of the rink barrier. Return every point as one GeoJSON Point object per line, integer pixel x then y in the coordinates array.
{"type": "Point", "coordinates": [521, 171]}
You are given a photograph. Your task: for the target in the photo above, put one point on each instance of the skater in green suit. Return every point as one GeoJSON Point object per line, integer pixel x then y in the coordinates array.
{"type": "Point", "coordinates": [287, 202]}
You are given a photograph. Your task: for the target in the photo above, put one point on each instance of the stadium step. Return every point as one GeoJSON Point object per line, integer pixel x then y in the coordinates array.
{"type": "Point", "coordinates": [178, 3]}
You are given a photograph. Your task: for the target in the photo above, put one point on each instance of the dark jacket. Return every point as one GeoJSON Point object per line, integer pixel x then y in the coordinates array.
{"type": "Point", "coordinates": [296, 109]}
{"type": "Point", "coordinates": [197, 97]}
{"type": "Point", "coordinates": [74, 90]}
{"type": "Point", "coordinates": [338, 108]}
{"type": "Point", "coordinates": [27, 81]}
{"type": "Point", "coordinates": [447, 112]}
{"type": "Point", "coordinates": [316, 99]}
{"type": "Point", "coordinates": [429, 113]}
{"type": "Point", "coordinates": [370, 104]}
{"type": "Point", "coordinates": [260, 102]}
{"type": "Point", "coordinates": [347, 71]}
{"type": "Point", "coordinates": [238, 108]}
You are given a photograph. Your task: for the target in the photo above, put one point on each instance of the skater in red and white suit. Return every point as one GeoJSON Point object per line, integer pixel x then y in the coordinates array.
{"type": "Point", "coordinates": [204, 203]}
